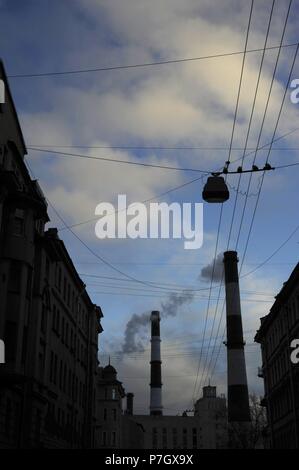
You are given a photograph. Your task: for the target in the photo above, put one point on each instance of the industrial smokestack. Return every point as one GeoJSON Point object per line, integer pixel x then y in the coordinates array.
{"type": "Point", "coordinates": [237, 396]}
{"type": "Point", "coordinates": [130, 397]}
{"type": "Point", "coordinates": [156, 384]}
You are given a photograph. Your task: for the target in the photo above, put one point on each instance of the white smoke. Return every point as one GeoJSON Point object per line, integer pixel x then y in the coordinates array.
{"type": "Point", "coordinates": [138, 322]}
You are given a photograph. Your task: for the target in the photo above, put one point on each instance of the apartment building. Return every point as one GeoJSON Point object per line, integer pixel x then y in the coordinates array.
{"type": "Point", "coordinates": [280, 375]}
{"type": "Point", "coordinates": [48, 322]}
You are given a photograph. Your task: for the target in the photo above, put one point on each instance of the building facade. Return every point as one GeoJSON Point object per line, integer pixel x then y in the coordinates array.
{"type": "Point", "coordinates": [116, 428]}
{"type": "Point", "coordinates": [205, 428]}
{"type": "Point", "coordinates": [281, 376]}
{"type": "Point", "coordinates": [110, 393]}
{"type": "Point", "coordinates": [48, 323]}
{"type": "Point", "coordinates": [212, 412]}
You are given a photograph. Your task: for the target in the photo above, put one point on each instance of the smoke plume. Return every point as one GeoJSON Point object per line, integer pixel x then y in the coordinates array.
{"type": "Point", "coordinates": [137, 323]}
{"type": "Point", "coordinates": [206, 273]}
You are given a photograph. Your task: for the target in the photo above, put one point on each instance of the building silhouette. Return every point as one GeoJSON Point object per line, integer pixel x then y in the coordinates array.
{"type": "Point", "coordinates": [212, 412]}
{"type": "Point", "coordinates": [48, 322]}
{"type": "Point", "coordinates": [280, 375]}
{"type": "Point", "coordinates": [116, 428]}
{"type": "Point", "coordinates": [203, 428]}
{"type": "Point", "coordinates": [53, 393]}
{"type": "Point", "coordinates": [109, 395]}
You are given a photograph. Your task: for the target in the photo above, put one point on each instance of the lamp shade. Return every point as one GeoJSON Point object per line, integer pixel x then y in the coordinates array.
{"type": "Point", "coordinates": [215, 190]}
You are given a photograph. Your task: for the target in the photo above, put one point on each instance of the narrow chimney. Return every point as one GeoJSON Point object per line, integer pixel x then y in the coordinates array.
{"type": "Point", "coordinates": [130, 399]}
{"type": "Point", "coordinates": [237, 394]}
{"type": "Point", "coordinates": [156, 383]}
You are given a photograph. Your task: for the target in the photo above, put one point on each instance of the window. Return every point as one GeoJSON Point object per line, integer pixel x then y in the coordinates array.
{"type": "Point", "coordinates": [64, 378]}
{"type": "Point", "coordinates": [43, 325]}
{"type": "Point", "coordinates": [24, 344]}
{"type": "Point", "coordinates": [175, 438]}
{"type": "Point", "coordinates": [51, 366]}
{"type": "Point", "coordinates": [73, 386]}
{"type": "Point", "coordinates": [72, 340]}
{"type": "Point", "coordinates": [39, 225]}
{"type": "Point", "coordinates": [37, 426]}
{"type": "Point", "coordinates": [57, 321]}
{"type": "Point", "coordinates": [55, 369]}
{"type": "Point", "coordinates": [54, 318]}
{"type": "Point", "coordinates": [80, 393]}
{"type": "Point", "coordinates": [73, 301]}
{"type": "Point", "coordinates": [29, 283]}
{"type": "Point", "coordinates": [154, 438]}
{"type": "Point", "coordinates": [105, 414]}
{"type": "Point", "coordinates": [113, 394]}
{"type": "Point", "coordinates": [64, 288]}
{"type": "Point", "coordinates": [60, 375]}
{"type": "Point", "coordinates": [2, 147]}
{"type": "Point", "coordinates": [76, 389]}
{"type": "Point", "coordinates": [184, 438]}
{"type": "Point", "coordinates": [47, 268]}
{"type": "Point", "coordinates": [62, 331]}
{"type": "Point", "coordinates": [67, 335]}
{"type": "Point", "coordinates": [164, 438]}
{"type": "Point", "coordinates": [194, 438]}
{"type": "Point", "coordinates": [10, 340]}
{"type": "Point", "coordinates": [7, 418]}
{"type": "Point", "coordinates": [15, 273]}
{"type": "Point", "coordinates": [59, 279]}
{"type": "Point", "coordinates": [70, 383]}
{"type": "Point", "coordinates": [19, 223]}
{"type": "Point", "coordinates": [114, 414]}
{"type": "Point", "coordinates": [41, 362]}
{"type": "Point", "coordinates": [68, 295]}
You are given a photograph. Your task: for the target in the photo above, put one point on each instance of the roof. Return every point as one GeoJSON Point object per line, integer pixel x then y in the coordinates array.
{"type": "Point", "coordinates": [9, 99]}
{"type": "Point", "coordinates": [109, 370]}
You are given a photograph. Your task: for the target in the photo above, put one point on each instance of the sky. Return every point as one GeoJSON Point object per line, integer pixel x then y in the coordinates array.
{"type": "Point", "coordinates": [116, 114]}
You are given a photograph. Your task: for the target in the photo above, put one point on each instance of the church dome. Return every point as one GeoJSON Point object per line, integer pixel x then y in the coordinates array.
{"type": "Point", "coordinates": [109, 372]}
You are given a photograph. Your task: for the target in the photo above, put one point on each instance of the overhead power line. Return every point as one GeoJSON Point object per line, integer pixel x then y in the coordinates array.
{"type": "Point", "coordinates": [117, 160]}
{"type": "Point", "coordinates": [128, 147]}
{"type": "Point", "coordinates": [269, 150]}
{"type": "Point", "coordinates": [76, 224]}
{"type": "Point", "coordinates": [221, 209]}
{"type": "Point", "coordinates": [152, 165]}
{"type": "Point", "coordinates": [140, 65]}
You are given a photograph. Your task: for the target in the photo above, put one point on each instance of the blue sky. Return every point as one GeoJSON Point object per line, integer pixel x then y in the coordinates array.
{"type": "Point", "coordinates": [176, 105]}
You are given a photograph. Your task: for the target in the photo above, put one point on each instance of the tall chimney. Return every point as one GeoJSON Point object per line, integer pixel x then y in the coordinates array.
{"type": "Point", "coordinates": [237, 394]}
{"type": "Point", "coordinates": [130, 397]}
{"type": "Point", "coordinates": [156, 384]}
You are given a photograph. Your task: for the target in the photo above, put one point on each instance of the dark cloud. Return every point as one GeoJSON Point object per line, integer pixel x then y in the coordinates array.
{"type": "Point", "coordinates": [207, 273]}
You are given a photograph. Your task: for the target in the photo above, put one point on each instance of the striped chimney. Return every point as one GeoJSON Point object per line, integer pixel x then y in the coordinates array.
{"type": "Point", "coordinates": [237, 395]}
{"type": "Point", "coordinates": [156, 384]}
